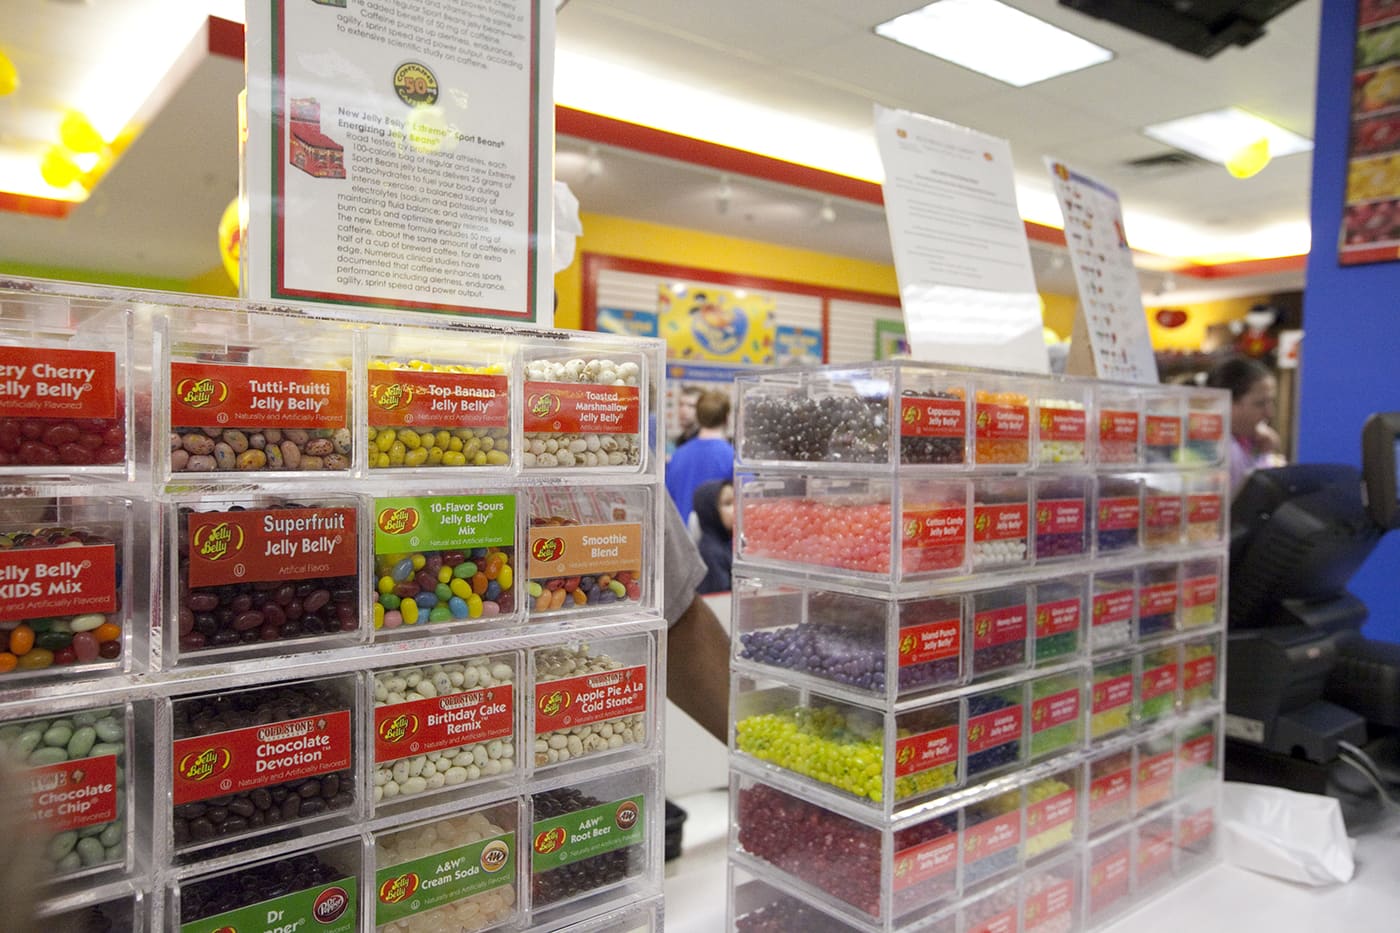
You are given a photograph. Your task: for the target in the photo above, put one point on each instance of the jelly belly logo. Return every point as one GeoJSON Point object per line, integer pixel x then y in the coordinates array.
{"type": "Point", "coordinates": [552, 704]}
{"type": "Point", "coordinates": [905, 756]}
{"type": "Point", "coordinates": [911, 528]}
{"type": "Point", "coordinates": [627, 815]}
{"type": "Point", "coordinates": [205, 764]}
{"type": "Point", "coordinates": [398, 889]}
{"type": "Point", "coordinates": [391, 396]}
{"type": "Point", "coordinates": [330, 905]}
{"type": "Point", "coordinates": [543, 404]}
{"type": "Point", "coordinates": [984, 628]}
{"type": "Point", "coordinates": [215, 542]}
{"type": "Point", "coordinates": [495, 856]}
{"type": "Point", "coordinates": [981, 523]}
{"type": "Point", "coordinates": [907, 644]}
{"type": "Point", "coordinates": [201, 393]}
{"type": "Point", "coordinates": [398, 521]}
{"type": "Point", "coordinates": [912, 415]}
{"type": "Point", "coordinates": [399, 728]}
{"type": "Point", "coordinates": [547, 549]}
{"type": "Point", "coordinates": [984, 418]}
{"type": "Point", "coordinates": [551, 840]}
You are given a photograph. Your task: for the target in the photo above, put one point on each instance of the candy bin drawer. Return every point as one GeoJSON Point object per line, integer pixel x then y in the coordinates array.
{"type": "Point", "coordinates": [589, 551]}
{"type": "Point", "coordinates": [592, 700]}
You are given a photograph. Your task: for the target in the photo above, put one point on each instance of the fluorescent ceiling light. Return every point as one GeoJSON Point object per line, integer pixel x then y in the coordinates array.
{"type": "Point", "coordinates": [994, 39]}
{"type": "Point", "coordinates": [1218, 135]}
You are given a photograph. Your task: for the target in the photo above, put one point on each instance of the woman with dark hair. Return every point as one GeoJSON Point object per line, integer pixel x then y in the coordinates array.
{"type": "Point", "coordinates": [1253, 391]}
{"type": "Point", "coordinates": [714, 512]}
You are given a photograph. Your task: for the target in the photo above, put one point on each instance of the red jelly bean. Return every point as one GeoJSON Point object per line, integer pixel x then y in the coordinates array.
{"type": "Point", "coordinates": [85, 647]}
{"type": "Point", "coordinates": [64, 432]}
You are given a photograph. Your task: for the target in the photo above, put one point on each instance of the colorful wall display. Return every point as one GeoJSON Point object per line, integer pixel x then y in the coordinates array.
{"type": "Point", "coordinates": [1371, 215]}
{"type": "Point", "coordinates": [797, 346]}
{"type": "Point", "coordinates": [709, 323]}
{"type": "Point", "coordinates": [627, 321]}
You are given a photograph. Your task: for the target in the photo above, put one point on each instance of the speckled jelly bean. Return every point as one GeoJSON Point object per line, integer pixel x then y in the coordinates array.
{"type": "Point", "coordinates": [246, 450]}
{"type": "Point", "coordinates": [79, 812]}
{"type": "Point", "coordinates": [446, 441]}
{"type": "Point", "coordinates": [582, 448]}
{"type": "Point", "coordinates": [1112, 607]}
{"type": "Point", "coordinates": [51, 640]}
{"type": "Point", "coordinates": [210, 897]}
{"type": "Point", "coordinates": [1000, 630]}
{"type": "Point", "coordinates": [1002, 428]}
{"type": "Point", "coordinates": [1057, 720]}
{"type": "Point", "coordinates": [1110, 790]}
{"type": "Point", "coordinates": [1000, 523]}
{"type": "Point", "coordinates": [1052, 808]}
{"type": "Point", "coordinates": [1117, 515]}
{"type": "Point", "coordinates": [1050, 901]}
{"type": "Point", "coordinates": [1158, 680]}
{"type": "Point", "coordinates": [441, 838]}
{"type": "Point", "coordinates": [586, 875]}
{"type": "Point", "coordinates": [1111, 698]}
{"type": "Point", "coordinates": [559, 666]}
{"type": "Point", "coordinates": [995, 722]}
{"type": "Point", "coordinates": [73, 442]}
{"type": "Point", "coordinates": [807, 429]}
{"type": "Point", "coordinates": [933, 427]}
{"type": "Point", "coordinates": [991, 838]}
{"type": "Point", "coordinates": [424, 706]}
{"type": "Point", "coordinates": [1059, 619]}
{"type": "Point", "coordinates": [1199, 673]}
{"type": "Point", "coordinates": [1062, 430]}
{"type": "Point", "coordinates": [455, 585]}
{"type": "Point", "coordinates": [1061, 518]}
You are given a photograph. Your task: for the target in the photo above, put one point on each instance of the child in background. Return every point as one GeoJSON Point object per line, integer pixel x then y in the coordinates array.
{"type": "Point", "coordinates": [714, 511]}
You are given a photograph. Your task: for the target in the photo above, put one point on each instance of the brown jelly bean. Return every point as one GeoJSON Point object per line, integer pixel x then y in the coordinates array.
{"type": "Point", "coordinates": [585, 875]}
{"type": "Point", "coordinates": [220, 894]}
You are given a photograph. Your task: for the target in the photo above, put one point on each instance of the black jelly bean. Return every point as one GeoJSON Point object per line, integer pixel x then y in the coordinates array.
{"type": "Point", "coordinates": [589, 874]}
{"type": "Point", "coordinates": [222, 893]}
{"type": "Point", "coordinates": [841, 429]}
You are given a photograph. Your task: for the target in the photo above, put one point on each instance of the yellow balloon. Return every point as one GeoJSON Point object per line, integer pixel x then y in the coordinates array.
{"type": "Point", "coordinates": [9, 75]}
{"type": "Point", "coordinates": [77, 133]}
{"type": "Point", "coordinates": [58, 167]}
{"type": "Point", "coordinates": [1249, 160]}
{"type": "Point", "coordinates": [230, 239]}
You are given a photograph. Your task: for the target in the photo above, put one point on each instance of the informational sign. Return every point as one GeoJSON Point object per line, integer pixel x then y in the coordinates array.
{"type": "Point", "coordinates": [708, 322]}
{"type": "Point", "coordinates": [627, 322]}
{"type": "Point", "coordinates": [797, 346]}
{"type": "Point", "coordinates": [1371, 217]}
{"type": "Point", "coordinates": [398, 154]}
{"type": "Point", "coordinates": [960, 250]}
{"type": "Point", "coordinates": [1110, 337]}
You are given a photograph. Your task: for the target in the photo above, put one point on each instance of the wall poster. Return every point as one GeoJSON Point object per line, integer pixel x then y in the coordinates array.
{"type": "Point", "coordinates": [706, 322]}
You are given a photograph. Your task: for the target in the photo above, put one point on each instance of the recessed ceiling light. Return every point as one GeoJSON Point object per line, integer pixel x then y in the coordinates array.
{"type": "Point", "coordinates": [994, 39]}
{"type": "Point", "coordinates": [1221, 134]}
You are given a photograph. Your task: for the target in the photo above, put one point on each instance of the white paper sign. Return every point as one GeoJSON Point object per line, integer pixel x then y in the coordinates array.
{"type": "Point", "coordinates": [399, 154]}
{"type": "Point", "coordinates": [960, 250]}
{"type": "Point", "coordinates": [1111, 315]}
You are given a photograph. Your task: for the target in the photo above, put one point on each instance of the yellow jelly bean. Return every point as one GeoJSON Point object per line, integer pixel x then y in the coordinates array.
{"type": "Point", "coordinates": [497, 458]}
{"type": "Point", "coordinates": [506, 577]}
{"type": "Point", "coordinates": [442, 438]}
{"type": "Point", "coordinates": [461, 588]}
{"type": "Point", "coordinates": [456, 445]}
{"type": "Point", "coordinates": [435, 456]}
{"type": "Point", "coordinates": [454, 458]}
{"type": "Point", "coordinates": [410, 439]}
{"type": "Point", "coordinates": [384, 441]}
{"type": "Point", "coordinates": [416, 457]}
{"type": "Point", "coordinates": [427, 438]}
{"type": "Point", "coordinates": [396, 453]}
{"type": "Point", "coordinates": [381, 461]}
{"type": "Point", "coordinates": [385, 585]}
{"type": "Point", "coordinates": [444, 574]}
{"type": "Point", "coordinates": [418, 561]}
{"type": "Point", "coordinates": [474, 606]}
{"type": "Point", "coordinates": [409, 610]}
{"type": "Point", "coordinates": [378, 616]}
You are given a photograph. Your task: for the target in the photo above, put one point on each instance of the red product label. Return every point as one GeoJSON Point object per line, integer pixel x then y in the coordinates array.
{"type": "Point", "coordinates": [1155, 770]}
{"type": "Point", "coordinates": [927, 860]}
{"type": "Point", "coordinates": [1044, 815]}
{"type": "Point", "coordinates": [1055, 900]}
{"type": "Point", "coordinates": [999, 522]}
{"type": "Point", "coordinates": [992, 836]}
{"type": "Point", "coordinates": [244, 759]}
{"type": "Point", "coordinates": [577, 408]}
{"type": "Point", "coordinates": [1118, 426]}
{"type": "Point", "coordinates": [919, 644]}
{"type": "Point", "coordinates": [1062, 424]}
{"type": "Point", "coordinates": [1112, 693]}
{"type": "Point", "coordinates": [1110, 789]}
{"type": "Point", "coordinates": [1196, 828]}
{"type": "Point", "coordinates": [1003, 422]}
{"type": "Point", "coordinates": [1116, 606]}
{"type": "Point", "coordinates": [1054, 710]}
{"type": "Point", "coordinates": [935, 527]}
{"type": "Point", "coordinates": [998, 626]}
{"type": "Point", "coordinates": [578, 701]}
{"type": "Point", "coordinates": [1198, 752]}
{"type": "Point", "coordinates": [1119, 514]}
{"type": "Point", "coordinates": [1154, 851]}
{"type": "Point", "coordinates": [1158, 599]}
{"type": "Point", "coordinates": [74, 794]}
{"type": "Point", "coordinates": [992, 729]}
{"type": "Point", "coordinates": [407, 397]}
{"type": "Point", "coordinates": [1204, 508]}
{"type": "Point", "coordinates": [1198, 672]}
{"type": "Point", "coordinates": [1060, 517]}
{"type": "Point", "coordinates": [1203, 426]}
{"type": "Point", "coordinates": [206, 395]}
{"type": "Point", "coordinates": [271, 544]}
{"type": "Point", "coordinates": [916, 753]}
{"type": "Point", "coordinates": [49, 382]}
{"type": "Point", "coordinates": [1004, 922]}
{"type": "Point", "coordinates": [932, 417]}
{"type": "Point", "coordinates": [1058, 618]}
{"type": "Point", "coordinates": [450, 721]}
{"type": "Point", "coordinates": [57, 581]}
{"type": "Point", "coordinates": [1158, 681]}
{"type": "Point", "coordinates": [1163, 511]}
{"type": "Point", "coordinates": [1200, 591]}
{"type": "Point", "coordinates": [1163, 430]}
{"type": "Point", "coordinates": [1108, 877]}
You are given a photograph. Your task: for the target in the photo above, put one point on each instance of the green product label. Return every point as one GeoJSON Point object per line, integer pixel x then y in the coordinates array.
{"type": "Point", "coordinates": [435, 523]}
{"type": "Point", "coordinates": [573, 837]}
{"type": "Point", "coordinates": [444, 878]}
{"type": "Point", "coordinates": [328, 908]}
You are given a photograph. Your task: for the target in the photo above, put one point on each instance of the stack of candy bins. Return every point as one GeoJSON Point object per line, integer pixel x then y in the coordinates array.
{"type": "Point", "coordinates": [1041, 561]}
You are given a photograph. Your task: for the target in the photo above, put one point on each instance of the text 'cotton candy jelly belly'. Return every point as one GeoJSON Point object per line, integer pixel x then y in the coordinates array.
{"type": "Point", "coordinates": [427, 415]}
{"type": "Point", "coordinates": [60, 407]}
{"type": "Point", "coordinates": [252, 419]}
{"type": "Point", "coordinates": [60, 601]}
{"type": "Point", "coordinates": [256, 575]}
{"type": "Point", "coordinates": [443, 559]}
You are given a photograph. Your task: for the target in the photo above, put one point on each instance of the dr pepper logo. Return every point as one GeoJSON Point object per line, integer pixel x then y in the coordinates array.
{"type": "Point", "coordinates": [391, 396]}
{"type": "Point", "coordinates": [330, 905]}
{"type": "Point", "coordinates": [205, 764]}
{"type": "Point", "coordinates": [398, 889]}
{"type": "Point", "coordinates": [552, 704]}
{"type": "Point", "coordinates": [398, 521]}
{"type": "Point", "coordinates": [200, 393]}
{"type": "Point", "coordinates": [543, 404]}
{"type": "Point", "coordinates": [399, 728]}
{"type": "Point", "coordinates": [547, 549]}
{"type": "Point", "coordinates": [551, 840]}
{"type": "Point", "coordinates": [213, 542]}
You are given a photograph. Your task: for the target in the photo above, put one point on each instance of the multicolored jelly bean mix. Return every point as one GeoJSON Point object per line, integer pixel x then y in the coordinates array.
{"type": "Point", "coordinates": [458, 585]}
{"type": "Point", "coordinates": [46, 442]}
{"type": "Point", "coordinates": [274, 450]}
{"type": "Point", "coordinates": [549, 594]}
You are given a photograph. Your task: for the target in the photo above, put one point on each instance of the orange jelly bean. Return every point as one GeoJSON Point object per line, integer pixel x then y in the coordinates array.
{"type": "Point", "coordinates": [107, 632]}
{"type": "Point", "coordinates": [8, 662]}
{"type": "Point", "coordinates": [22, 640]}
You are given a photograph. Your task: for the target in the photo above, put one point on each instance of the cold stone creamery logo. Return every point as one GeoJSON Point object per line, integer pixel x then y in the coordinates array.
{"type": "Point", "coordinates": [398, 521]}
{"type": "Point", "coordinates": [547, 549]}
{"type": "Point", "coordinates": [495, 856]}
{"type": "Point", "coordinates": [391, 396]}
{"type": "Point", "coordinates": [399, 728]}
{"type": "Point", "coordinates": [398, 889]}
{"type": "Point", "coordinates": [330, 905]}
{"type": "Point", "coordinates": [214, 542]}
{"type": "Point", "coordinates": [202, 765]}
{"type": "Point", "coordinates": [555, 702]}
{"type": "Point", "coordinates": [543, 404]}
{"type": "Point", "coordinates": [200, 393]}
{"type": "Point", "coordinates": [551, 840]}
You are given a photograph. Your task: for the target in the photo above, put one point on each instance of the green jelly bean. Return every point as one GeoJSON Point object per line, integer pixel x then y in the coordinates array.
{"type": "Point", "coordinates": [121, 776]}
{"type": "Point", "coordinates": [535, 589]}
{"type": "Point", "coordinates": [466, 570]}
{"type": "Point", "coordinates": [61, 844]}
{"type": "Point", "coordinates": [68, 864]}
{"type": "Point", "coordinates": [116, 853]}
{"type": "Point", "coordinates": [91, 852]}
{"type": "Point", "coordinates": [58, 735]}
{"type": "Point", "coordinates": [61, 625]}
{"type": "Point", "coordinates": [86, 831]}
{"type": "Point", "coordinates": [443, 592]}
{"type": "Point", "coordinates": [48, 755]}
{"type": "Point", "coordinates": [54, 641]}
{"type": "Point", "coordinates": [39, 626]}
{"type": "Point", "coordinates": [85, 718]}
{"type": "Point", "coordinates": [389, 601]}
{"type": "Point", "coordinates": [29, 741]}
{"type": "Point", "coordinates": [80, 745]}
{"type": "Point", "coordinates": [9, 733]}
{"type": "Point", "coordinates": [109, 730]}
{"type": "Point", "coordinates": [105, 748]}
{"type": "Point", "coordinates": [440, 614]}
{"type": "Point", "coordinates": [619, 589]}
{"type": "Point", "coordinates": [112, 834]}
{"type": "Point", "coordinates": [88, 622]}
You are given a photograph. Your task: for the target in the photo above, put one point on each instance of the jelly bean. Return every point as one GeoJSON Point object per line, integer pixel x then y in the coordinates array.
{"type": "Point", "coordinates": [393, 619]}
{"type": "Point", "coordinates": [465, 570]}
{"type": "Point", "coordinates": [21, 640]}
{"type": "Point", "coordinates": [409, 610]}
{"type": "Point", "coordinates": [107, 631]}
{"type": "Point", "coordinates": [244, 887]}
{"type": "Point", "coordinates": [269, 449]}
{"type": "Point", "coordinates": [378, 615]}
{"type": "Point", "coordinates": [8, 662]}
{"type": "Point", "coordinates": [579, 877]}
{"type": "Point", "coordinates": [36, 659]}
{"type": "Point", "coordinates": [556, 449]}
{"type": "Point", "coordinates": [806, 429]}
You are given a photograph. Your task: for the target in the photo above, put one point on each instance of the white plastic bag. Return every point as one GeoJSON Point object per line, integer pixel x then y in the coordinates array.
{"type": "Point", "coordinates": [1297, 837]}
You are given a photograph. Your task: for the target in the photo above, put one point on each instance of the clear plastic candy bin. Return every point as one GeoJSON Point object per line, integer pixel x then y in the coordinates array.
{"type": "Point", "coordinates": [589, 550]}
{"type": "Point", "coordinates": [1207, 427]}
{"type": "Point", "coordinates": [592, 700]}
{"type": "Point", "coordinates": [310, 888]}
{"type": "Point", "coordinates": [588, 412]}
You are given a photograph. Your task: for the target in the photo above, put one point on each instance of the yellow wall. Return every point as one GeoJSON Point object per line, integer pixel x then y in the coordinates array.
{"type": "Point", "coordinates": [1199, 317]}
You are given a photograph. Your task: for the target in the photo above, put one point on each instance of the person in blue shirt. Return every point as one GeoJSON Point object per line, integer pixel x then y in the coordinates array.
{"type": "Point", "coordinates": [709, 456]}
